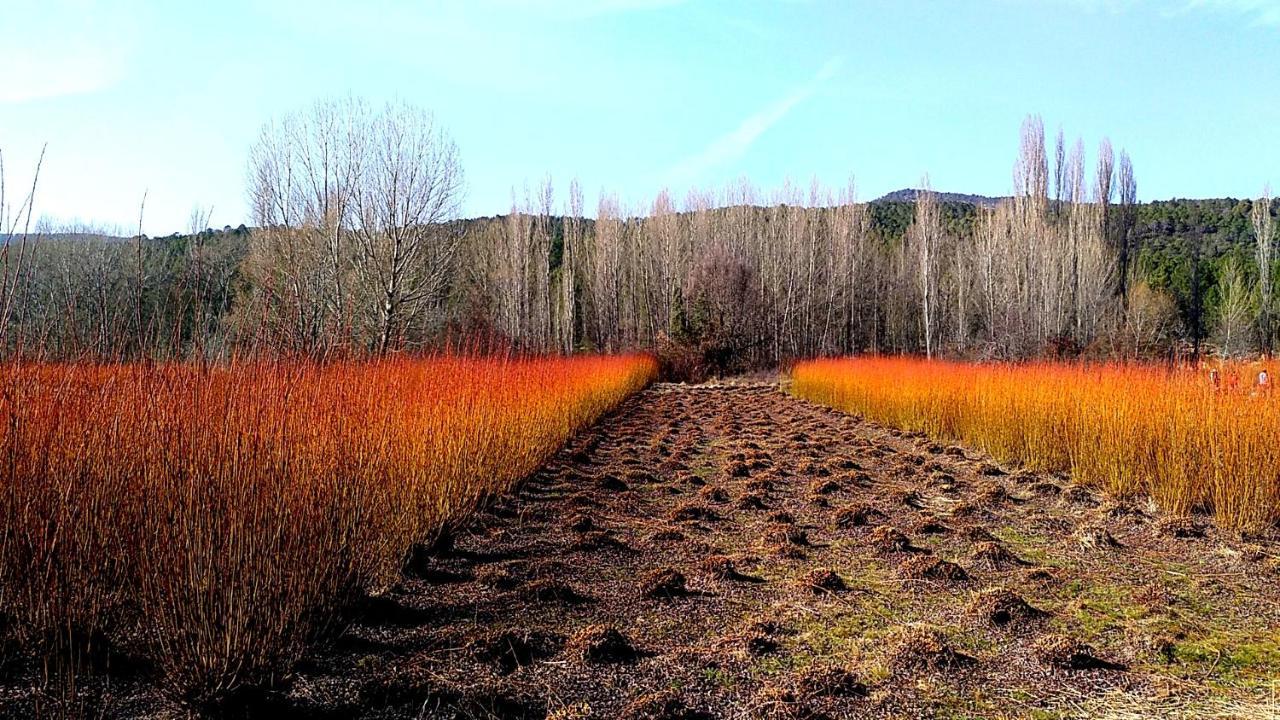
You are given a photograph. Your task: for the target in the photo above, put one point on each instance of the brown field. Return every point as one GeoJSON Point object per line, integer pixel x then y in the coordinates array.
{"type": "Point", "coordinates": [734, 552]}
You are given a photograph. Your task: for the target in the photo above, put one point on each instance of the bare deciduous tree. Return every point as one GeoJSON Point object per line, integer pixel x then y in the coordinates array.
{"type": "Point", "coordinates": [355, 206]}
{"type": "Point", "coordinates": [1264, 239]}
{"type": "Point", "coordinates": [925, 237]}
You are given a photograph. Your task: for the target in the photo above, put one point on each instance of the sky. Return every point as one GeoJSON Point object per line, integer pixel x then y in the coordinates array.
{"type": "Point", "coordinates": [163, 100]}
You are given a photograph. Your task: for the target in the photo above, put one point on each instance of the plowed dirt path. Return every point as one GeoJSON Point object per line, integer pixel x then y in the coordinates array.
{"type": "Point", "coordinates": [736, 552]}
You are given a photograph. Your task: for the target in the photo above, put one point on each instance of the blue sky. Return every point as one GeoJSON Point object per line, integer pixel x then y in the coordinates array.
{"type": "Point", "coordinates": [632, 96]}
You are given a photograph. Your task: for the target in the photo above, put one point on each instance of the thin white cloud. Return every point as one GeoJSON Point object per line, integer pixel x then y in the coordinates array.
{"type": "Point", "coordinates": [736, 143]}
{"type": "Point", "coordinates": [1257, 12]}
{"type": "Point", "coordinates": [1261, 12]}
{"type": "Point", "coordinates": [583, 9]}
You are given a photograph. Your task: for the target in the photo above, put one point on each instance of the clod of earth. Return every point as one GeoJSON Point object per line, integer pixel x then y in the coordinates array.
{"type": "Point", "coordinates": [910, 498]}
{"type": "Point", "coordinates": [610, 483]}
{"type": "Point", "coordinates": [887, 538]}
{"type": "Point", "coordinates": [786, 535]}
{"type": "Point", "coordinates": [553, 591]}
{"type": "Point", "coordinates": [666, 537]}
{"type": "Point", "coordinates": [921, 647]}
{"type": "Point", "coordinates": [1000, 606]}
{"type": "Point", "coordinates": [751, 501]}
{"type": "Point", "coordinates": [665, 705]}
{"type": "Point", "coordinates": [991, 555]}
{"type": "Point", "coordinates": [714, 493]}
{"type": "Point", "coordinates": [1095, 537]}
{"type": "Point", "coordinates": [1179, 527]}
{"type": "Point", "coordinates": [932, 568]}
{"type": "Point", "coordinates": [825, 580]}
{"type": "Point", "coordinates": [826, 487]}
{"type": "Point", "coordinates": [510, 649]}
{"type": "Point", "coordinates": [581, 523]}
{"type": "Point", "coordinates": [663, 583]}
{"type": "Point", "coordinates": [927, 525]}
{"type": "Point", "coordinates": [602, 644]}
{"type": "Point", "coordinates": [694, 511]}
{"type": "Point", "coordinates": [1066, 653]}
{"type": "Point", "coordinates": [858, 516]}
{"type": "Point", "coordinates": [993, 495]}
{"type": "Point", "coordinates": [831, 683]}
{"type": "Point", "coordinates": [781, 517]}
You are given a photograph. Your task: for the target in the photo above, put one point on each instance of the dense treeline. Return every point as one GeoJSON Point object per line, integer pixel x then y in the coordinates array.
{"type": "Point", "coordinates": [357, 248]}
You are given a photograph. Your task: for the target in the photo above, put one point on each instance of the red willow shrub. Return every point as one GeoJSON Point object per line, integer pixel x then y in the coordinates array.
{"type": "Point", "coordinates": [213, 520]}
{"type": "Point", "coordinates": [1131, 429]}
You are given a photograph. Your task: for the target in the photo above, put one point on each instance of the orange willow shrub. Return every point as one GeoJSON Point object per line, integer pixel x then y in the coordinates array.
{"type": "Point", "coordinates": [213, 520]}
{"type": "Point", "coordinates": [1131, 429]}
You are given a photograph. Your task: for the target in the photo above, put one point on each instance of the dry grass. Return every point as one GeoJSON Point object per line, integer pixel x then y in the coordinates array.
{"type": "Point", "coordinates": [1131, 429]}
{"type": "Point", "coordinates": [214, 520]}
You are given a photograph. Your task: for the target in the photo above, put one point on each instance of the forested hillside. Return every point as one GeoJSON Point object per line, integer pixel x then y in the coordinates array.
{"type": "Point", "coordinates": [715, 282]}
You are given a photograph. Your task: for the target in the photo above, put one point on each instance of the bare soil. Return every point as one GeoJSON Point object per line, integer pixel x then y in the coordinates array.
{"type": "Point", "coordinates": [731, 551]}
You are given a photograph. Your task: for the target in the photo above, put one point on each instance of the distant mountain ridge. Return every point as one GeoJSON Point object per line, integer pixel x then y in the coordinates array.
{"type": "Point", "coordinates": [908, 195]}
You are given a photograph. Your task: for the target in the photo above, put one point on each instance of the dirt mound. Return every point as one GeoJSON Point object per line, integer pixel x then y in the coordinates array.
{"type": "Point", "coordinates": [910, 498]}
{"type": "Point", "coordinates": [693, 512]}
{"type": "Point", "coordinates": [548, 590]}
{"type": "Point", "coordinates": [825, 487]}
{"type": "Point", "coordinates": [781, 517]}
{"type": "Point", "coordinates": [663, 583]}
{"type": "Point", "coordinates": [992, 555]}
{"type": "Point", "coordinates": [993, 495]}
{"type": "Point", "coordinates": [1044, 488]}
{"type": "Point", "coordinates": [760, 485]}
{"type": "Point", "coordinates": [721, 567]}
{"type": "Point", "coordinates": [751, 501]}
{"type": "Point", "coordinates": [510, 649]}
{"type": "Point", "coordinates": [887, 538]}
{"type": "Point", "coordinates": [858, 516]}
{"type": "Point", "coordinates": [928, 525]}
{"type": "Point", "coordinates": [976, 533]}
{"type": "Point", "coordinates": [666, 537]}
{"type": "Point", "coordinates": [1041, 576]}
{"type": "Point", "coordinates": [1081, 497]}
{"type": "Point", "coordinates": [779, 702]}
{"type": "Point", "coordinates": [830, 683]}
{"type": "Point", "coordinates": [933, 569]}
{"type": "Point", "coordinates": [713, 493]}
{"type": "Point", "coordinates": [599, 540]}
{"type": "Point", "coordinates": [755, 644]}
{"type": "Point", "coordinates": [1181, 528]}
{"type": "Point", "coordinates": [611, 483]}
{"type": "Point", "coordinates": [601, 644]}
{"type": "Point", "coordinates": [666, 705]}
{"type": "Point", "coordinates": [503, 577]}
{"type": "Point", "coordinates": [1066, 653]}
{"type": "Point", "coordinates": [786, 535]}
{"type": "Point", "coordinates": [824, 580]}
{"type": "Point", "coordinates": [1002, 607]}
{"type": "Point", "coordinates": [921, 647]}
{"type": "Point", "coordinates": [1095, 537]}
{"type": "Point", "coordinates": [580, 523]}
